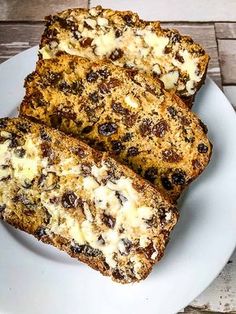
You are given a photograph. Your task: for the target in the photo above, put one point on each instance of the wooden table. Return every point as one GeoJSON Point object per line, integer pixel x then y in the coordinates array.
{"type": "Point", "coordinates": [21, 25]}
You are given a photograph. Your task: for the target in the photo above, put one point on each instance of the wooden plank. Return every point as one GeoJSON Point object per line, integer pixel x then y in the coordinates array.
{"type": "Point", "coordinates": [227, 49]}
{"type": "Point", "coordinates": [34, 10]}
{"type": "Point", "coordinates": [204, 34]}
{"type": "Point", "coordinates": [220, 296]}
{"type": "Point", "coordinates": [172, 10]}
{"type": "Point", "coordinates": [230, 93]}
{"type": "Point", "coordinates": [225, 30]}
{"type": "Point", "coordinates": [15, 38]}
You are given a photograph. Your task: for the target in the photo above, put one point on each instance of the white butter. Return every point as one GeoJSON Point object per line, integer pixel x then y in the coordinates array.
{"type": "Point", "coordinates": [170, 79]}
{"type": "Point", "coordinates": [102, 21]}
{"type": "Point", "coordinates": [90, 184]}
{"type": "Point", "coordinates": [91, 22]}
{"type": "Point", "coordinates": [105, 43]}
{"type": "Point", "coordinates": [131, 101]}
{"type": "Point", "coordinates": [46, 52]}
{"type": "Point", "coordinates": [99, 173]}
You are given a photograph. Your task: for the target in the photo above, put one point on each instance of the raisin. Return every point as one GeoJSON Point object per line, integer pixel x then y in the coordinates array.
{"type": "Point", "coordinates": [3, 123]}
{"type": "Point", "coordinates": [5, 178]}
{"type": "Point", "coordinates": [54, 200]}
{"type": "Point", "coordinates": [117, 107]}
{"type": "Point", "coordinates": [145, 127]}
{"type": "Point", "coordinates": [117, 275]}
{"type": "Point", "coordinates": [202, 148]}
{"type": "Point", "coordinates": [86, 42]}
{"type": "Point", "coordinates": [127, 244]}
{"type": "Point", "coordinates": [108, 220]}
{"type": "Point", "coordinates": [178, 178]}
{"type": "Point", "coordinates": [130, 119]}
{"type": "Point", "coordinates": [24, 200]}
{"type": "Point", "coordinates": [167, 50]}
{"type": "Point", "coordinates": [132, 151]}
{"type": "Point", "coordinates": [151, 174]}
{"type": "Point", "coordinates": [54, 78]}
{"type": "Point", "coordinates": [175, 38]}
{"type": "Point", "coordinates": [118, 33]}
{"type": "Point", "coordinates": [86, 250]}
{"type": "Point", "coordinates": [44, 136]}
{"type": "Point", "coordinates": [128, 20]}
{"type": "Point", "coordinates": [87, 129]}
{"type": "Point", "coordinates": [100, 146]}
{"type": "Point", "coordinates": [166, 183]}
{"type": "Point", "coordinates": [94, 97]}
{"type": "Point", "coordinates": [40, 232]}
{"type": "Point", "coordinates": [121, 197]}
{"type": "Point", "coordinates": [69, 200]}
{"type": "Point", "coordinates": [179, 57]}
{"type": "Point", "coordinates": [169, 155]}
{"type": "Point", "coordinates": [117, 147]}
{"type": "Point", "coordinates": [104, 73]}
{"type": "Point", "coordinates": [23, 127]}
{"type": "Point", "coordinates": [92, 76]}
{"type": "Point", "coordinates": [160, 128]}
{"type": "Point", "coordinates": [101, 240]}
{"type": "Point", "coordinates": [14, 143]}
{"type": "Point", "coordinates": [107, 129]}
{"type": "Point", "coordinates": [55, 120]}
{"type": "Point", "coordinates": [106, 87]}
{"type": "Point", "coordinates": [172, 111]}
{"type": "Point", "coordinates": [20, 152]}
{"type": "Point", "coordinates": [46, 150]}
{"type": "Point", "coordinates": [86, 169]}
{"type": "Point", "coordinates": [116, 54]}
{"type": "Point", "coordinates": [185, 121]}
{"type": "Point", "coordinates": [127, 137]}
{"type": "Point", "coordinates": [80, 152]}
{"type": "Point", "coordinates": [76, 88]}
{"type": "Point", "coordinates": [2, 207]}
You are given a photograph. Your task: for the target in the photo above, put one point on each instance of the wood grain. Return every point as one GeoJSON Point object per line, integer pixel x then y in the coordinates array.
{"type": "Point", "coordinates": [15, 38]}
{"type": "Point", "coordinates": [227, 55]}
{"type": "Point", "coordinates": [225, 30]}
{"type": "Point", "coordinates": [203, 34]}
{"type": "Point", "coordinates": [34, 10]}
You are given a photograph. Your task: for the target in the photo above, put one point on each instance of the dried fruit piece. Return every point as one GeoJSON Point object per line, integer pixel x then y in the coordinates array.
{"type": "Point", "coordinates": [108, 220]}
{"type": "Point", "coordinates": [107, 129]}
{"type": "Point", "coordinates": [202, 148]}
{"type": "Point", "coordinates": [132, 151]}
{"type": "Point", "coordinates": [69, 200]}
{"type": "Point", "coordinates": [178, 178]}
{"type": "Point", "coordinates": [151, 174]}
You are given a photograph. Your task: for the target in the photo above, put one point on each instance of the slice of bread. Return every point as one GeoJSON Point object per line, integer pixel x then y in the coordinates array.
{"type": "Point", "coordinates": [126, 40]}
{"type": "Point", "coordinates": [123, 112]}
{"type": "Point", "coordinates": [81, 201]}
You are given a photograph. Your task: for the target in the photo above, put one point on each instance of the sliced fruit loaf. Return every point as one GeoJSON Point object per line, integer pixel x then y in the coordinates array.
{"type": "Point", "coordinates": [123, 112]}
{"type": "Point", "coordinates": [128, 41]}
{"type": "Point", "coordinates": [81, 201]}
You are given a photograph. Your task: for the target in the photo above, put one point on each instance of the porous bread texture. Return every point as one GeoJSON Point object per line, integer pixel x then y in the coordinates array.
{"type": "Point", "coordinates": [124, 112]}
{"type": "Point", "coordinates": [83, 202]}
{"type": "Point", "coordinates": [128, 41]}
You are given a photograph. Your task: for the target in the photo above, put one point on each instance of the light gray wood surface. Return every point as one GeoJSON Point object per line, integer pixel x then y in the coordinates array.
{"type": "Point", "coordinates": [34, 10]}
{"type": "Point", "coordinates": [21, 25]}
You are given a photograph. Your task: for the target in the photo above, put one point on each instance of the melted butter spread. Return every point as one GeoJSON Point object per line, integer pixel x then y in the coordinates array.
{"type": "Point", "coordinates": [114, 197]}
{"type": "Point", "coordinates": [143, 49]}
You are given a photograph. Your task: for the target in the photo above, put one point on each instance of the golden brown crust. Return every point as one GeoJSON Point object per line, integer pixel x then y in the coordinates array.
{"type": "Point", "coordinates": [124, 112]}
{"type": "Point", "coordinates": [81, 201]}
{"type": "Point", "coordinates": [128, 41]}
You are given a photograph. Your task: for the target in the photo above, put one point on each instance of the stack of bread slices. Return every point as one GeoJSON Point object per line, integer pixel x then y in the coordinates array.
{"type": "Point", "coordinates": [106, 141]}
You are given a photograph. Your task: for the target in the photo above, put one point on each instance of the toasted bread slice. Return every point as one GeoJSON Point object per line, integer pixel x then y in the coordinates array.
{"type": "Point", "coordinates": [123, 112]}
{"type": "Point", "coordinates": [81, 201]}
{"type": "Point", "coordinates": [126, 40]}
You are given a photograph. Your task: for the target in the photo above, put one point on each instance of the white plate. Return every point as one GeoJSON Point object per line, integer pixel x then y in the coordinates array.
{"type": "Point", "coordinates": [36, 278]}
